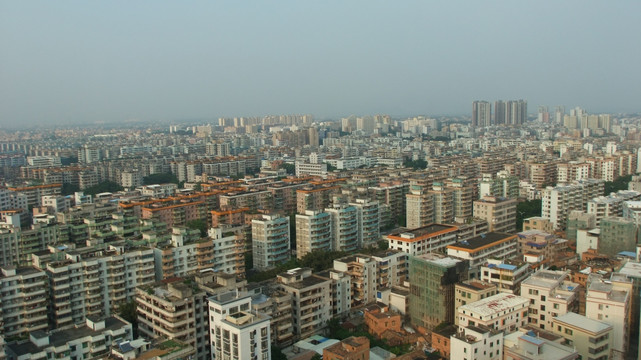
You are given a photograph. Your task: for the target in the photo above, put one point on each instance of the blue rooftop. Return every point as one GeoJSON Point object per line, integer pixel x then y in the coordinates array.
{"type": "Point", "coordinates": [506, 267]}
{"type": "Point", "coordinates": [533, 340]}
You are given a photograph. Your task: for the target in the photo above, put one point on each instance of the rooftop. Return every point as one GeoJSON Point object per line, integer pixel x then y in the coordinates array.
{"type": "Point", "coordinates": [582, 322]}
{"type": "Point", "coordinates": [495, 304]}
{"type": "Point", "coordinates": [482, 241]}
{"type": "Point", "coordinates": [423, 232]}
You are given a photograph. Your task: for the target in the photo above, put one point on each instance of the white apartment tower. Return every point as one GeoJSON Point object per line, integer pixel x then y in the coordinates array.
{"type": "Point", "coordinates": [313, 232]}
{"type": "Point", "coordinates": [270, 241]}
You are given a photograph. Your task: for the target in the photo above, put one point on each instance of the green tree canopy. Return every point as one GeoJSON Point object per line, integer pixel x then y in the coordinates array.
{"type": "Point", "coordinates": [105, 186]}
{"type": "Point", "coordinates": [163, 178]}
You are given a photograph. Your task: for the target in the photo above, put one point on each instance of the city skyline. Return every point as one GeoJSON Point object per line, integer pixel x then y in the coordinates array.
{"type": "Point", "coordinates": [79, 63]}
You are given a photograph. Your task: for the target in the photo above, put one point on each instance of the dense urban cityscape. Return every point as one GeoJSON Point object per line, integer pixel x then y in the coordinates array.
{"type": "Point", "coordinates": [506, 234]}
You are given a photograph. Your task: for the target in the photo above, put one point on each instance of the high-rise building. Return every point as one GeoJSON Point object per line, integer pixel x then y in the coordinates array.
{"type": "Point", "coordinates": [344, 227]}
{"type": "Point", "coordinates": [368, 222]}
{"type": "Point", "coordinates": [235, 331]}
{"type": "Point", "coordinates": [174, 310]}
{"type": "Point", "coordinates": [499, 112]}
{"type": "Point", "coordinates": [481, 113]}
{"type": "Point", "coordinates": [511, 112]}
{"type": "Point", "coordinates": [270, 241]}
{"type": "Point", "coordinates": [543, 115]}
{"type": "Point", "coordinates": [313, 232]}
{"type": "Point", "coordinates": [311, 298]}
{"type": "Point", "coordinates": [433, 278]}
{"type": "Point", "coordinates": [500, 213]}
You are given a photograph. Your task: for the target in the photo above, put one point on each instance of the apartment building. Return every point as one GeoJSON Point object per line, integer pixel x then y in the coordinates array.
{"type": "Point", "coordinates": [391, 268]}
{"type": "Point", "coordinates": [93, 281]}
{"type": "Point", "coordinates": [503, 312]}
{"type": "Point", "coordinates": [315, 197]}
{"type": "Point", "coordinates": [476, 342]}
{"type": "Point", "coordinates": [610, 205]}
{"type": "Point", "coordinates": [313, 232]}
{"type": "Point", "coordinates": [504, 185]}
{"type": "Point", "coordinates": [536, 246]}
{"type": "Point", "coordinates": [470, 291]}
{"type": "Point", "coordinates": [551, 294]}
{"type": "Point", "coordinates": [423, 240]}
{"type": "Point", "coordinates": [572, 171]}
{"type": "Point", "coordinates": [391, 194]}
{"type": "Point", "coordinates": [610, 302]}
{"type": "Point", "coordinates": [479, 249]}
{"type": "Point", "coordinates": [277, 305]}
{"type": "Point", "coordinates": [363, 272]}
{"type": "Point", "coordinates": [35, 193]}
{"type": "Point", "coordinates": [235, 330]}
{"type": "Point", "coordinates": [345, 227]}
{"type": "Point", "coordinates": [228, 244]}
{"type": "Point", "coordinates": [618, 234]}
{"type": "Point", "coordinates": [419, 208]}
{"type": "Point", "coordinates": [558, 201]}
{"type": "Point", "coordinates": [252, 199]}
{"type": "Point", "coordinates": [311, 295]}
{"type": "Point", "coordinates": [176, 214]}
{"type": "Point", "coordinates": [23, 300]}
{"type": "Point", "coordinates": [270, 241]}
{"type": "Point", "coordinates": [174, 310]}
{"type": "Point", "coordinates": [368, 216]}
{"type": "Point", "coordinates": [184, 253]}
{"type": "Point", "coordinates": [500, 213]}
{"type": "Point", "coordinates": [89, 340]}
{"type": "Point", "coordinates": [432, 280]}
{"type": "Point", "coordinates": [528, 346]}
{"type": "Point", "coordinates": [506, 274]}
{"type": "Point", "coordinates": [592, 339]}
{"type": "Point", "coordinates": [341, 288]}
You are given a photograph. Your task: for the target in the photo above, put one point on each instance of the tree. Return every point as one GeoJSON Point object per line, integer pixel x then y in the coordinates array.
{"type": "Point", "coordinates": [526, 209]}
{"type": "Point", "coordinates": [416, 164]}
{"type": "Point", "coordinates": [162, 178]}
{"type": "Point", "coordinates": [69, 189]}
{"type": "Point", "coordinates": [105, 186]}
{"type": "Point", "coordinates": [620, 183]}
{"type": "Point", "coordinates": [290, 168]}
{"type": "Point", "coordinates": [198, 225]}
{"type": "Point", "coordinates": [277, 353]}
{"type": "Point", "coordinates": [127, 311]}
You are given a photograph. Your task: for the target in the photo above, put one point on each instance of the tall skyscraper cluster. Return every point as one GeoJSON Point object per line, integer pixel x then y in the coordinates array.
{"type": "Point", "coordinates": [511, 112]}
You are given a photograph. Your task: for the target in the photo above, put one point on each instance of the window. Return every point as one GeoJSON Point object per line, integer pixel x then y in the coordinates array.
{"type": "Point", "coordinates": [568, 331]}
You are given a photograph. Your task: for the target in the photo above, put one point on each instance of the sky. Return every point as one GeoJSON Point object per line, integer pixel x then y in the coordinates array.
{"type": "Point", "coordinates": [80, 62]}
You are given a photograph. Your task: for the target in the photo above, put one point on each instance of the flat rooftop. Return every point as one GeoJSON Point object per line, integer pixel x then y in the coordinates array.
{"type": "Point", "coordinates": [482, 241]}
{"type": "Point", "coordinates": [423, 232]}
{"type": "Point", "coordinates": [582, 322]}
{"type": "Point", "coordinates": [495, 304]}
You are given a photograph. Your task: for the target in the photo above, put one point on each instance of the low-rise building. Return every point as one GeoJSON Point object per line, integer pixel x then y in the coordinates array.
{"type": "Point", "coordinates": [506, 274]}
{"type": "Point", "coordinates": [351, 348]}
{"type": "Point", "coordinates": [476, 342]}
{"type": "Point", "coordinates": [551, 294]}
{"type": "Point", "coordinates": [609, 302]}
{"type": "Point", "coordinates": [470, 291]}
{"type": "Point", "coordinates": [592, 339]}
{"type": "Point", "coordinates": [519, 346]}
{"type": "Point", "coordinates": [505, 312]}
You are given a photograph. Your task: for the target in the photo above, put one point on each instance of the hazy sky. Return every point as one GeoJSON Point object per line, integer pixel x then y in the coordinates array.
{"type": "Point", "coordinates": [87, 61]}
